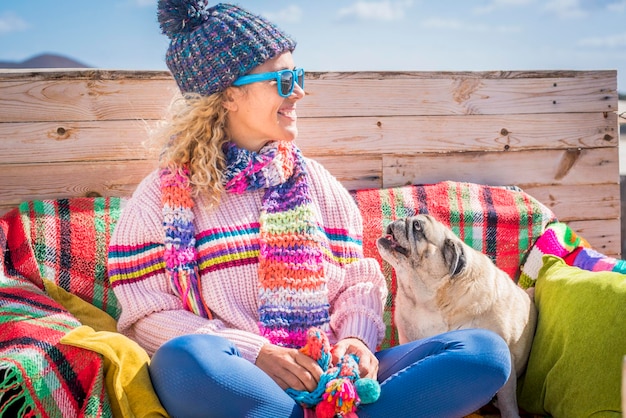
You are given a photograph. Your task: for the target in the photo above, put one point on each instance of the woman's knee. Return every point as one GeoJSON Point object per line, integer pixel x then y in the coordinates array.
{"type": "Point", "coordinates": [190, 347]}
{"type": "Point", "coordinates": [487, 351]}
{"type": "Point", "coordinates": [200, 355]}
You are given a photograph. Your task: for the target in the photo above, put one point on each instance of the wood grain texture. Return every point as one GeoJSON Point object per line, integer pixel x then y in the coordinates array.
{"type": "Point", "coordinates": [27, 142]}
{"type": "Point", "coordinates": [555, 134]}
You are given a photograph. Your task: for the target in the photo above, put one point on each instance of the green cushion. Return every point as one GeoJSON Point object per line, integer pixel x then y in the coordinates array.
{"type": "Point", "coordinates": [575, 364]}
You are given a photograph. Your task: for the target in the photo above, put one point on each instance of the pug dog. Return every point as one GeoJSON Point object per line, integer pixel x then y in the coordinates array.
{"type": "Point", "coordinates": [444, 285]}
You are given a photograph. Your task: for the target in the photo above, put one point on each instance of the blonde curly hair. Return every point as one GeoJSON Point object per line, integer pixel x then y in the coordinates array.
{"type": "Point", "coordinates": [193, 135]}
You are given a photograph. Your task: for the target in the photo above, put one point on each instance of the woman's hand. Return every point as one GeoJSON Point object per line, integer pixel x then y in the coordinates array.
{"type": "Point", "coordinates": [368, 363]}
{"type": "Point", "coordinates": [289, 367]}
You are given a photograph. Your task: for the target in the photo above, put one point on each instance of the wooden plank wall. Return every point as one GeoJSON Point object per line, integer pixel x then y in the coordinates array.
{"type": "Point", "coordinates": [553, 133]}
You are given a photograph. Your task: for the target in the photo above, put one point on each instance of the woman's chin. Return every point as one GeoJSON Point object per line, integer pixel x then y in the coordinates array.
{"type": "Point", "coordinates": [290, 134]}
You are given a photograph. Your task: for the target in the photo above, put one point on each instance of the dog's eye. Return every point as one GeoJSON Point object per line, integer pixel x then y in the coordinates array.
{"type": "Point", "coordinates": [417, 226]}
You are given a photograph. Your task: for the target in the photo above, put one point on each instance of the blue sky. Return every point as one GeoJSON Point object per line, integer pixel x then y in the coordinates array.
{"type": "Point", "coordinates": [342, 35]}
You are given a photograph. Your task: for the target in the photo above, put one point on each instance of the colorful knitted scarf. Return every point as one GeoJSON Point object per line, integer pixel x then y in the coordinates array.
{"type": "Point", "coordinates": [292, 285]}
{"type": "Point", "coordinates": [180, 253]}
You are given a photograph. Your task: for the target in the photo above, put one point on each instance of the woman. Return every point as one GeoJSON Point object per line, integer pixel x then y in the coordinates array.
{"type": "Point", "coordinates": [234, 248]}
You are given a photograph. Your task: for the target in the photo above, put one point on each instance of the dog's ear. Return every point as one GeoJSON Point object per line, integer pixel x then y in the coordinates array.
{"type": "Point", "coordinates": [454, 256]}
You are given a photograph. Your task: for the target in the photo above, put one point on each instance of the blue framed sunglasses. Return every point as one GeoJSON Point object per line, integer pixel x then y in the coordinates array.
{"type": "Point", "coordinates": [285, 80]}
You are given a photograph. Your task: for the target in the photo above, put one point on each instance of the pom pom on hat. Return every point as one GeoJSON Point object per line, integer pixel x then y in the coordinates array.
{"type": "Point", "coordinates": [210, 47]}
{"type": "Point", "coordinates": [179, 16]}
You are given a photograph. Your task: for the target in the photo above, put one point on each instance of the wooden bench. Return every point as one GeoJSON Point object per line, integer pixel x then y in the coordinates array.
{"type": "Point", "coordinates": [555, 134]}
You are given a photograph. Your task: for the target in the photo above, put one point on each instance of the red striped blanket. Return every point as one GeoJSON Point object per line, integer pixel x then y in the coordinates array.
{"type": "Point", "coordinates": [502, 222]}
{"type": "Point", "coordinates": [66, 241]}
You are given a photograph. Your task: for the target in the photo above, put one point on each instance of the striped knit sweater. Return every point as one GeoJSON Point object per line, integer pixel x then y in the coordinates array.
{"type": "Point", "coordinates": [228, 249]}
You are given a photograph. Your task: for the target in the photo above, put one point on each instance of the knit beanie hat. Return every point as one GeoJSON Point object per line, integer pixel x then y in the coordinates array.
{"type": "Point", "coordinates": [210, 47]}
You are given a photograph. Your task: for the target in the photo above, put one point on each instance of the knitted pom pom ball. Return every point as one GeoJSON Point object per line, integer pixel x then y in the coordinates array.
{"type": "Point", "coordinates": [210, 47]}
{"type": "Point", "coordinates": [180, 16]}
{"type": "Point", "coordinates": [340, 390]}
{"type": "Point", "coordinates": [368, 390]}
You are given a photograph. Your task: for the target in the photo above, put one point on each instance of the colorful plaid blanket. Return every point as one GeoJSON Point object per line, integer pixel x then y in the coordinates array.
{"type": "Point", "coordinates": [39, 377]}
{"type": "Point", "coordinates": [66, 241]}
{"type": "Point", "coordinates": [502, 222]}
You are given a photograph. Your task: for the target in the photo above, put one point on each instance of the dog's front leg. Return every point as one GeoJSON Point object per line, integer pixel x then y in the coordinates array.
{"type": "Point", "coordinates": [507, 397]}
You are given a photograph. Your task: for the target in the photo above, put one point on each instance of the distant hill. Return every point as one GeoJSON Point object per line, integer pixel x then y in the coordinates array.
{"type": "Point", "coordinates": [45, 61]}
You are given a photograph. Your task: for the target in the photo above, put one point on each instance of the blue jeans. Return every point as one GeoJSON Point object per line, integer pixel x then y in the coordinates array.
{"type": "Point", "coordinates": [449, 375]}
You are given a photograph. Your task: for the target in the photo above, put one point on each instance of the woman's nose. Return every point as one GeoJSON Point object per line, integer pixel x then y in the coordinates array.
{"type": "Point", "coordinates": [298, 92]}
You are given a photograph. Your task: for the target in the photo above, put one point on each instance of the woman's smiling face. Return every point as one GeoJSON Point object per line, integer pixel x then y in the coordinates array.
{"type": "Point", "coordinates": [257, 114]}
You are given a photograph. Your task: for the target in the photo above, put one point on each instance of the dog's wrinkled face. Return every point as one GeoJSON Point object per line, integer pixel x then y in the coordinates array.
{"type": "Point", "coordinates": [421, 243]}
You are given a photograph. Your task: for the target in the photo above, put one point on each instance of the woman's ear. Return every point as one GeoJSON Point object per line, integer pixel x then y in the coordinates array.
{"type": "Point", "coordinates": [230, 99]}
